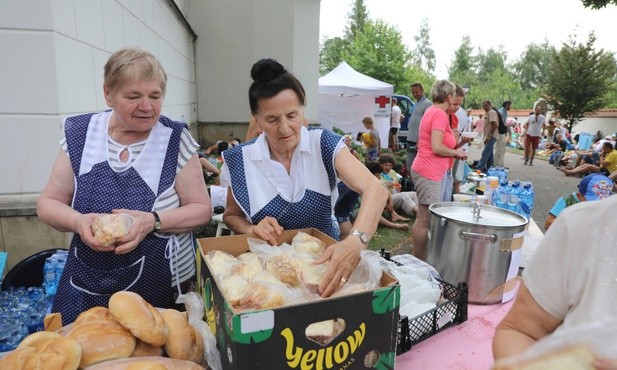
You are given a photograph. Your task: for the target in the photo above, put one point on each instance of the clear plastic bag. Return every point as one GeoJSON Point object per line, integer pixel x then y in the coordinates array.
{"type": "Point", "coordinates": [194, 305]}
{"type": "Point", "coordinates": [107, 228]}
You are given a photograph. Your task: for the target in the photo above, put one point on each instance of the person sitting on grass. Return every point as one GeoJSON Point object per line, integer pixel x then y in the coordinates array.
{"type": "Point", "coordinates": [375, 169]}
{"type": "Point", "coordinates": [608, 163]}
{"type": "Point", "coordinates": [592, 187]}
{"type": "Point", "coordinates": [405, 200]}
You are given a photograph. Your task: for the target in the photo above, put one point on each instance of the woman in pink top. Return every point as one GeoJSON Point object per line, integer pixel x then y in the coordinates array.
{"type": "Point", "coordinates": [437, 147]}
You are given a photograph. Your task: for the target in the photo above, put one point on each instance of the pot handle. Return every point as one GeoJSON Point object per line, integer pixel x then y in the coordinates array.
{"type": "Point", "coordinates": [491, 238]}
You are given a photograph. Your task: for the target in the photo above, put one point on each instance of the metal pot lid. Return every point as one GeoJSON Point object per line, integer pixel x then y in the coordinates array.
{"type": "Point", "coordinates": [490, 216]}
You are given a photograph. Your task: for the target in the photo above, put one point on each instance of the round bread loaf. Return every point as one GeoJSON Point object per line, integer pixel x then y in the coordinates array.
{"type": "Point", "coordinates": [95, 313]}
{"type": "Point", "coordinates": [44, 351]}
{"type": "Point", "coordinates": [183, 343]}
{"type": "Point", "coordinates": [102, 340]}
{"type": "Point", "coordinates": [146, 363]}
{"type": "Point", "coordinates": [145, 349]}
{"type": "Point", "coordinates": [138, 316]}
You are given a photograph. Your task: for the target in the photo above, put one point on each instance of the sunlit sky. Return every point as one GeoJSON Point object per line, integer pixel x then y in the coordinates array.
{"type": "Point", "coordinates": [489, 23]}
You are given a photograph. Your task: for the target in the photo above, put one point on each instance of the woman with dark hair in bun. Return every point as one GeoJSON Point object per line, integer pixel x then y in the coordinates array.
{"type": "Point", "coordinates": [286, 177]}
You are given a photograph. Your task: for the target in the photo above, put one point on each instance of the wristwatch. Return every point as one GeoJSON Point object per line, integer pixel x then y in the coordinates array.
{"type": "Point", "coordinates": [157, 222]}
{"type": "Point", "coordinates": [362, 236]}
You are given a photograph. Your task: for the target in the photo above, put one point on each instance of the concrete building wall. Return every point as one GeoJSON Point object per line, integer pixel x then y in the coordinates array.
{"type": "Point", "coordinates": [53, 53]}
{"type": "Point", "coordinates": [239, 34]}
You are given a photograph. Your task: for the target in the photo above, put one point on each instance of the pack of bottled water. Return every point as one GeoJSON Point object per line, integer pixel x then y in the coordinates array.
{"type": "Point", "coordinates": [515, 196]}
{"type": "Point", "coordinates": [22, 312]}
{"type": "Point", "coordinates": [54, 265]}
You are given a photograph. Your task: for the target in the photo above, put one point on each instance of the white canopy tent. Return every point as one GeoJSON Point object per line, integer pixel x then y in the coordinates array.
{"type": "Point", "coordinates": [346, 96]}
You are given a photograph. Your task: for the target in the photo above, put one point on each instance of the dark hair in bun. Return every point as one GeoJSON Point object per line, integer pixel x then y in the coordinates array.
{"type": "Point", "coordinates": [269, 79]}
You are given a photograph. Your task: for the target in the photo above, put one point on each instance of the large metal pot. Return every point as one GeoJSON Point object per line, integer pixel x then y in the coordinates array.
{"type": "Point", "coordinates": [474, 243]}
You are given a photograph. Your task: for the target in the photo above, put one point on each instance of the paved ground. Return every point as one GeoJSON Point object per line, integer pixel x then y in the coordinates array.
{"type": "Point", "coordinates": [548, 182]}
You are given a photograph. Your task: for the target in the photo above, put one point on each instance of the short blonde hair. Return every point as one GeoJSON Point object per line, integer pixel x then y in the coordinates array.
{"type": "Point", "coordinates": [132, 64]}
{"type": "Point", "coordinates": [367, 120]}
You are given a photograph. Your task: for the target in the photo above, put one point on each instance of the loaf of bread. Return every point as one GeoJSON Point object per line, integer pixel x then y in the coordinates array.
{"type": "Point", "coordinates": [577, 357]}
{"type": "Point", "coordinates": [285, 268]}
{"type": "Point", "coordinates": [249, 265]}
{"type": "Point", "coordinates": [139, 317]}
{"type": "Point", "coordinates": [311, 274]}
{"type": "Point", "coordinates": [183, 342]}
{"type": "Point", "coordinates": [101, 339]}
{"type": "Point", "coordinates": [305, 243]}
{"type": "Point", "coordinates": [260, 296]}
{"type": "Point", "coordinates": [94, 313]}
{"type": "Point", "coordinates": [147, 363]}
{"type": "Point", "coordinates": [107, 228]}
{"type": "Point", "coordinates": [220, 263]}
{"type": "Point", "coordinates": [143, 349]}
{"type": "Point", "coordinates": [44, 351]}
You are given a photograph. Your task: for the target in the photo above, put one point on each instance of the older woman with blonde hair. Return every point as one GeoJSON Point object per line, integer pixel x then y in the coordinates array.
{"type": "Point", "coordinates": [437, 148]}
{"type": "Point", "coordinates": [131, 160]}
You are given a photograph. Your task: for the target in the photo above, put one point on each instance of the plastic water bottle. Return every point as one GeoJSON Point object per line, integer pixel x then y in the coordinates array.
{"type": "Point", "coordinates": [514, 196]}
{"type": "Point", "coordinates": [500, 196]}
{"type": "Point", "coordinates": [49, 276]}
{"type": "Point", "coordinates": [526, 196]}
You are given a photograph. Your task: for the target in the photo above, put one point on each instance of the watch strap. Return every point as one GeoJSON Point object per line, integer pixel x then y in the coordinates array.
{"type": "Point", "coordinates": [157, 221]}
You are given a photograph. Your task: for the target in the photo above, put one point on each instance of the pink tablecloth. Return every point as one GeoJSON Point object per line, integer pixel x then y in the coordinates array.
{"type": "Point", "coordinates": [461, 347]}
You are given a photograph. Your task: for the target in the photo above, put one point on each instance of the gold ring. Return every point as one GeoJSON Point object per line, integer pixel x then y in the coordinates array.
{"type": "Point", "coordinates": [343, 280]}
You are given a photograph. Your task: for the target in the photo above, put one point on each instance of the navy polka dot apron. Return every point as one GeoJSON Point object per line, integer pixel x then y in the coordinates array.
{"type": "Point", "coordinates": [311, 206]}
{"type": "Point", "coordinates": [91, 277]}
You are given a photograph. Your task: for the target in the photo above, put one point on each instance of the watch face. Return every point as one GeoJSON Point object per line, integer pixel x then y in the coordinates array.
{"type": "Point", "coordinates": [157, 225]}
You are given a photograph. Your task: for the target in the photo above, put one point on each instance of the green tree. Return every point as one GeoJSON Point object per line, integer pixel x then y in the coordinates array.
{"type": "Point", "coordinates": [423, 54]}
{"type": "Point", "coordinates": [356, 19]}
{"type": "Point", "coordinates": [533, 66]}
{"type": "Point", "coordinates": [378, 51]}
{"type": "Point", "coordinates": [331, 54]}
{"type": "Point", "coordinates": [597, 4]}
{"type": "Point", "coordinates": [580, 80]}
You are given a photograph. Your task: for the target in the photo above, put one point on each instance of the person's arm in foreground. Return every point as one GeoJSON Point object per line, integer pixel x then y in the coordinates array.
{"type": "Point", "coordinates": [344, 256]}
{"type": "Point", "coordinates": [525, 324]}
{"type": "Point", "coordinates": [195, 209]}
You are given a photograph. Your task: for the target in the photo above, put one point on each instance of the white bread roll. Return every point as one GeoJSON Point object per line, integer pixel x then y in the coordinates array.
{"type": "Point", "coordinates": [285, 268]}
{"type": "Point", "coordinates": [183, 342]}
{"type": "Point", "coordinates": [44, 351]}
{"type": "Point", "coordinates": [139, 317]}
{"type": "Point", "coordinates": [107, 228]}
{"type": "Point", "coordinates": [146, 363]}
{"type": "Point", "coordinates": [305, 243]}
{"type": "Point", "coordinates": [102, 340]}
{"type": "Point", "coordinates": [570, 358]}
{"type": "Point", "coordinates": [94, 313]}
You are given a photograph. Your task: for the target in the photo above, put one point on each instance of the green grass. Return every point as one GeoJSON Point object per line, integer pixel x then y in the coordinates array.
{"type": "Point", "coordinates": [392, 240]}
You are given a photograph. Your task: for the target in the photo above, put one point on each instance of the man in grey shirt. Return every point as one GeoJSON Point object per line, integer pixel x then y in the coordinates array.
{"type": "Point", "coordinates": [422, 103]}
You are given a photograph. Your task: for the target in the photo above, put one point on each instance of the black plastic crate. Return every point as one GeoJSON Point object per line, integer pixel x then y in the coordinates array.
{"type": "Point", "coordinates": [451, 311]}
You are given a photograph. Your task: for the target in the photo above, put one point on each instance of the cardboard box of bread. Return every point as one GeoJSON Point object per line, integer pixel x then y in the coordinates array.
{"type": "Point", "coordinates": [259, 322]}
{"type": "Point", "coordinates": [130, 334]}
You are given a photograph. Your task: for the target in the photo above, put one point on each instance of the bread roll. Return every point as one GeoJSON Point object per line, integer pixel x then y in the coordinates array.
{"type": "Point", "coordinates": [220, 263]}
{"type": "Point", "coordinates": [311, 274]}
{"type": "Point", "coordinates": [234, 288]}
{"type": "Point", "coordinates": [571, 358]}
{"type": "Point", "coordinates": [139, 317]}
{"type": "Point", "coordinates": [183, 341]}
{"type": "Point", "coordinates": [95, 313]}
{"type": "Point", "coordinates": [143, 349]}
{"type": "Point", "coordinates": [305, 243]}
{"type": "Point", "coordinates": [284, 268]}
{"type": "Point", "coordinates": [146, 363]}
{"type": "Point", "coordinates": [107, 228]}
{"type": "Point", "coordinates": [102, 340]}
{"type": "Point", "coordinates": [249, 266]}
{"type": "Point", "coordinates": [44, 351]}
